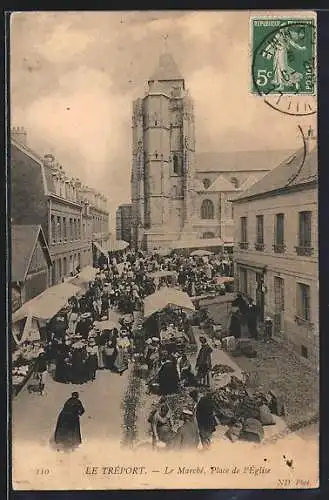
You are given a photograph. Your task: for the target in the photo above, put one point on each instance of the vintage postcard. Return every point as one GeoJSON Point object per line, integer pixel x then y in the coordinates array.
{"type": "Point", "coordinates": [164, 327]}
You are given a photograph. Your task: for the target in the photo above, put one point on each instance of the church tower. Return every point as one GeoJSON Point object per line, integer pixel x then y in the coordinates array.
{"type": "Point", "coordinates": [163, 159]}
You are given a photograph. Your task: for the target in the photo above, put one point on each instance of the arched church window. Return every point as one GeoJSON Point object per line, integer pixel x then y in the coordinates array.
{"type": "Point", "coordinates": [156, 154]}
{"type": "Point", "coordinates": [208, 235]}
{"type": "Point", "coordinates": [235, 182]}
{"type": "Point", "coordinates": [177, 165]}
{"type": "Point", "coordinates": [207, 209]}
{"type": "Point", "coordinates": [155, 120]}
{"type": "Point", "coordinates": [206, 183]}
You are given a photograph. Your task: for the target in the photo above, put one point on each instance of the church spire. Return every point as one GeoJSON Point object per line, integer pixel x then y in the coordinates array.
{"type": "Point", "coordinates": [166, 70]}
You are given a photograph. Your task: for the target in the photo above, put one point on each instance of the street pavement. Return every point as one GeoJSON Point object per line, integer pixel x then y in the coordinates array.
{"type": "Point", "coordinates": [34, 417]}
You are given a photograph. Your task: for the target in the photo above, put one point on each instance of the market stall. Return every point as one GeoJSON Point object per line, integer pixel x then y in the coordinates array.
{"type": "Point", "coordinates": [27, 324]}
{"type": "Point", "coordinates": [167, 297]}
{"type": "Point", "coordinates": [48, 303]}
{"type": "Point", "coordinates": [117, 245]}
{"type": "Point", "coordinates": [163, 316]}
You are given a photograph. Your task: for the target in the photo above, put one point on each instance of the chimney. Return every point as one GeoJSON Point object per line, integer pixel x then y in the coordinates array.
{"type": "Point", "coordinates": [19, 134]}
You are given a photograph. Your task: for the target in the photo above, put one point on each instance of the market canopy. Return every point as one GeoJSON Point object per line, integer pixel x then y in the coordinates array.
{"type": "Point", "coordinates": [48, 303]}
{"type": "Point", "coordinates": [99, 247]}
{"type": "Point", "coordinates": [201, 253]}
{"type": "Point", "coordinates": [221, 280]}
{"type": "Point", "coordinates": [117, 245]}
{"type": "Point", "coordinates": [167, 297]}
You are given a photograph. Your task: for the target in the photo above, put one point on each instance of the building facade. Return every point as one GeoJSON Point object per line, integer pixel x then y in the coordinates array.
{"type": "Point", "coordinates": [163, 159]}
{"type": "Point", "coordinates": [96, 221]}
{"type": "Point", "coordinates": [30, 263]}
{"type": "Point", "coordinates": [123, 222]}
{"type": "Point", "coordinates": [43, 194]}
{"type": "Point", "coordinates": [176, 193]}
{"type": "Point", "coordinates": [276, 251]}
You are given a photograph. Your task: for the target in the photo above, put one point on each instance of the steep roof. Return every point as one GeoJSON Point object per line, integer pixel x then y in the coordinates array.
{"type": "Point", "coordinates": [23, 241]}
{"type": "Point", "coordinates": [294, 171]}
{"type": "Point", "coordinates": [250, 181]}
{"type": "Point", "coordinates": [221, 184]}
{"type": "Point", "coordinates": [167, 69]}
{"type": "Point", "coordinates": [239, 161]}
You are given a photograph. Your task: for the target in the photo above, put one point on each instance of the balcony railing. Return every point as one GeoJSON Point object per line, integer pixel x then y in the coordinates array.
{"type": "Point", "coordinates": [259, 246]}
{"type": "Point", "coordinates": [305, 251]}
{"type": "Point", "coordinates": [279, 248]}
{"type": "Point", "coordinates": [244, 245]}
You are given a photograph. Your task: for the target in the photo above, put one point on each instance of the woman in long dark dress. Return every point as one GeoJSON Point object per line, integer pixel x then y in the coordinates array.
{"type": "Point", "coordinates": [78, 367]}
{"type": "Point", "coordinates": [168, 377]}
{"type": "Point", "coordinates": [61, 368]}
{"type": "Point", "coordinates": [67, 432]}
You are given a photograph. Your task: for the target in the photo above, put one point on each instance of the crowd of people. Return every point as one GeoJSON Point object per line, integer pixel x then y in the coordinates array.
{"type": "Point", "coordinates": [80, 343]}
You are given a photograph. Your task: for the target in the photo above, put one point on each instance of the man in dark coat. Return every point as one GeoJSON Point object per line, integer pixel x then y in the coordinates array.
{"type": "Point", "coordinates": [240, 303]}
{"type": "Point", "coordinates": [252, 319]}
{"type": "Point", "coordinates": [203, 362]}
{"type": "Point", "coordinates": [67, 433]}
{"type": "Point", "coordinates": [235, 325]}
{"type": "Point", "coordinates": [168, 376]}
{"type": "Point", "coordinates": [204, 414]}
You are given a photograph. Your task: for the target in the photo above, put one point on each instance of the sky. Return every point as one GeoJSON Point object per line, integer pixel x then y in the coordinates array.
{"type": "Point", "coordinates": [74, 76]}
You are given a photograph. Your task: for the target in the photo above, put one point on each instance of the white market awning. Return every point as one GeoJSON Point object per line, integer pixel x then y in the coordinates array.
{"type": "Point", "coordinates": [100, 248]}
{"type": "Point", "coordinates": [201, 253]}
{"type": "Point", "coordinates": [167, 297]}
{"type": "Point", "coordinates": [48, 303]}
{"type": "Point", "coordinates": [117, 245]}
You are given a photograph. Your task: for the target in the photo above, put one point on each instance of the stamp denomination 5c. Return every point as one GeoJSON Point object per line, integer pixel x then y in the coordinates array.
{"type": "Point", "coordinates": [284, 56]}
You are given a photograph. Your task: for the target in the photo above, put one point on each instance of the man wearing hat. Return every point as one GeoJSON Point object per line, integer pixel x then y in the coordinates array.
{"type": "Point", "coordinates": [203, 362]}
{"type": "Point", "coordinates": [67, 432]}
{"type": "Point", "coordinates": [187, 435]}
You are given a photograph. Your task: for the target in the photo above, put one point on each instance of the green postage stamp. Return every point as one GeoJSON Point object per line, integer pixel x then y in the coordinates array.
{"type": "Point", "coordinates": [283, 55]}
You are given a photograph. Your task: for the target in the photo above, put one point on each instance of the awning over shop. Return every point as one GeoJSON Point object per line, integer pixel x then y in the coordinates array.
{"type": "Point", "coordinates": [48, 303]}
{"type": "Point", "coordinates": [221, 280]}
{"type": "Point", "coordinates": [30, 331]}
{"type": "Point", "coordinates": [201, 253]}
{"type": "Point", "coordinates": [167, 297]}
{"type": "Point", "coordinates": [117, 245]}
{"type": "Point", "coordinates": [197, 243]}
{"type": "Point", "coordinates": [228, 242]}
{"type": "Point", "coordinates": [101, 249]}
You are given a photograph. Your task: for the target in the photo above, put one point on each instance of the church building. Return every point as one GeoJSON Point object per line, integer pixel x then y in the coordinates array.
{"type": "Point", "coordinates": [177, 194]}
